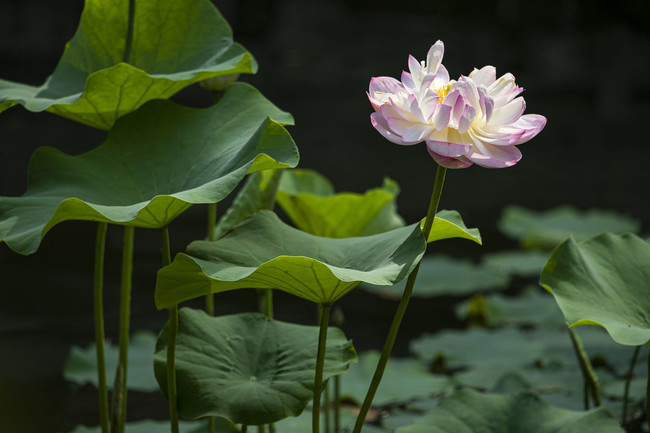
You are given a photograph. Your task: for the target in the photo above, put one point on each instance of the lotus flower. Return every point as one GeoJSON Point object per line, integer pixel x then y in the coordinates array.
{"type": "Point", "coordinates": [477, 119]}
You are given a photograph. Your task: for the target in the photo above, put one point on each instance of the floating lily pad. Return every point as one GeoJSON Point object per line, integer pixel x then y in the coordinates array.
{"type": "Point", "coordinates": [603, 281]}
{"type": "Point", "coordinates": [403, 380]}
{"type": "Point", "coordinates": [265, 253]}
{"type": "Point", "coordinates": [468, 411]}
{"type": "Point", "coordinates": [154, 164]}
{"type": "Point", "coordinates": [441, 275]}
{"type": "Point", "coordinates": [316, 210]}
{"type": "Point", "coordinates": [174, 44]}
{"type": "Point", "coordinates": [522, 263]}
{"type": "Point", "coordinates": [303, 422]}
{"type": "Point", "coordinates": [533, 307]}
{"type": "Point", "coordinates": [547, 229]}
{"type": "Point", "coordinates": [257, 193]}
{"type": "Point", "coordinates": [150, 426]}
{"type": "Point", "coordinates": [247, 368]}
{"type": "Point", "coordinates": [81, 364]}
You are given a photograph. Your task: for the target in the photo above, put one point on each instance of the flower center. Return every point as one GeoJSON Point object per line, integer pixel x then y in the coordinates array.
{"type": "Point", "coordinates": [442, 92]}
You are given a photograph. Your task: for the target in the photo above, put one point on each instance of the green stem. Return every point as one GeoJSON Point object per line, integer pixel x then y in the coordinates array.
{"type": "Point", "coordinates": [591, 380]}
{"type": "Point", "coordinates": [265, 302]}
{"type": "Point", "coordinates": [271, 428]}
{"type": "Point", "coordinates": [327, 408]}
{"type": "Point", "coordinates": [401, 308]}
{"type": "Point", "coordinates": [337, 404]}
{"type": "Point", "coordinates": [320, 362]}
{"type": "Point", "coordinates": [102, 390]}
{"type": "Point", "coordinates": [261, 429]}
{"type": "Point", "coordinates": [212, 220]}
{"type": "Point", "coordinates": [172, 330]}
{"type": "Point", "coordinates": [129, 33]}
{"type": "Point", "coordinates": [647, 395]}
{"type": "Point", "coordinates": [120, 388]}
{"type": "Point", "coordinates": [628, 379]}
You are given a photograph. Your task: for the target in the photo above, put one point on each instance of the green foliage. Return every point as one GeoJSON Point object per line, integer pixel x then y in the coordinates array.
{"type": "Point", "coordinates": [468, 411]}
{"type": "Point", "coordinates": [603, 281]}
{"type": "Point", "coordinates": [265, 253]}
{"type": "Point", "coordinates": [549, 228]}
{"type": "Point", "coordinates": [150, 426]}
{"type": "Point", "coordinates": [522, 263]}
{"type": "Point", "coordinates": [245, 367]}
{"type": "Point", "coordinates": [81, 364]}
{"type": "Point", "coordinates": [100, 78]}
{"type": "Point", "coordinates": [154, 164]}
{"type": "Point", "coordinates": [309, 201]}
{"type": "Point", "coordinates": [441, 275]}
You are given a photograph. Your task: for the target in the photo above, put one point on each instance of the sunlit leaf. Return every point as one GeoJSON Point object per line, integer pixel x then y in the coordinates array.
{"type": "Point", "coordinates": [448, 224]}
{"type": "Point", "coordinates": [265, 253]}
{"type": "Point", "coordinates": [468, 411]}
{"type": "Point", "coordinates": [403, 380]}
{"type": "Point", "coordinates": [174, 44]}
{"type": "Point", "coordinates": [547, 229]}
{"type": "Point", "coordinates": [154, 164]}
{"type": "Point", "coordinates": [151, 426]}
{"type": "Point", "coordinates": [441, 275]}
{"type": "Point", "coordinates": [308, 200]}
{"type": "Point", "coordinates": [81, 364]}
{"type": "Point", "coordinates": [245, 367]}
{"type": "Point", "coordinates": [603, 281]}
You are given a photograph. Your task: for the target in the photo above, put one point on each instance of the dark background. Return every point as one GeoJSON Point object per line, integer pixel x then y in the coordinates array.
{"type": "Point", "coordinates": [584, 65]}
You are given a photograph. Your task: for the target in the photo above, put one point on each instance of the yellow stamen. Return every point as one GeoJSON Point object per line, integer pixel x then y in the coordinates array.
{"type": "Point", "coordinates": [442, 92]}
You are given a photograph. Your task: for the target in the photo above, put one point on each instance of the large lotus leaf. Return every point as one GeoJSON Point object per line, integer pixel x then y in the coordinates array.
{"type": "Point", "coordinates": [174, 44]}
{"type": "Point", "coordinates": [547, 229]}
{"type": "Point", "coordinates": [314, 209]}
{"type": "Point", "coordinates": [151, 426]}
{"type": "Point", "coordinates": [263, 252]}
{"type": "Point", "coordinates": [441, 275]}
{"type": "Point", "coordinates": [81, 364]}
{"type": "Point", "coordinates": [448, 224]}
{"type": "Point", "coordinates": [403, 380]}
{"type": "Point", "coordinates": [468, 411]}
{"type": "Point", "coordinates": [303, 422]}
{"type": "Point", "coordinates": [603, 281]}
{"type": "Point", "coordinates": [154, 164]}
{"type": "Point", "coordinates": [247, 368]}
{"type": "Point", "coordinates": [257, 193]}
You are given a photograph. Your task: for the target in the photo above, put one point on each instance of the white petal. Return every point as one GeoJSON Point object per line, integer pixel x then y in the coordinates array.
{"type": "Point", "coordinates": [485, 76]}
{"type": "Point", "coordinates": [416, 133]}
{"type": "Point", "coordinates": [509, 112]}
{"type": "Point", "coordinates": [434, 56]}
{"type": "Point", "coordinates": [441, 116]}
{"type": "Point", "coordinates": [466, 119]}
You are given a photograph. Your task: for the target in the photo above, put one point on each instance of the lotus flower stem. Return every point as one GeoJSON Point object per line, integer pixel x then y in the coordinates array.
{"type": "Point", "coordinates": [337, 404]}
{"type": "Point", "coordinates": [647, 395]}
{"type": "Point", "coordinates": [129, 33]}
{"type": "Point", "coordinates": [172, 330]}
{"type": "Point", "coordinates": [120, 387]}
{"type": "Point", "coordinates": [401, 308]}
{"type": "Point", "coordinates": [320, 362]}
{"type": "Point", "coordinates": [591, 380]}
{"type": "Point", "coordinates": [628, 379]}
{"type": "Point", "coordinates": [102, 390]}
{"type": "Point", "coordinates": [209, 299]}
{"type": "Point", "coordinates": [327, 408]}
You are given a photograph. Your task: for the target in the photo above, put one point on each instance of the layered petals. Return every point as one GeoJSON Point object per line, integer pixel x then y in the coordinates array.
{"type": "Point", "coordinates": [477, 119]}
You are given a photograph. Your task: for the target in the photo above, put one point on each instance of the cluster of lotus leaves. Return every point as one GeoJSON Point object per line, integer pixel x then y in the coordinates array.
{"type": "Point", "coordinates": [155, 163]}
{"type": "Point", "coordinates": [111, 68]}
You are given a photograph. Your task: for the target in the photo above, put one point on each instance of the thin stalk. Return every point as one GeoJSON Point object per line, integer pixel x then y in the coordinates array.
{"type": "Point", "coordinates": [401, 308]}
{"type": "Point", "coordinates": [327, 407]}
{"type": "Point", "coordinates": [271, 428]}
{"type": "Point", "coordinates": [337, 404]}
{"type": "Point", "coordinates": [209, 299]}
{"type": "Point", "coordinates": [129, 33]}
{"type": "Point", "coordinates": [591, 380]}
{"type": "Point", "coordinates": [320, 362]}
{"type": "Point", "coordinates": [120, 389]}
{"type": "Point", "coordinates": [261, 429]}
{"type": "Point", "coordinates": [647, 395]}
{"type": "Point", "coordinates": [265, 302]}
{"type": "Point", "coordinates": [102, 390]}
{"type": "Point", "coordinates": [628, 379]}
{"type": "Point", "coordinates": [172, 330]}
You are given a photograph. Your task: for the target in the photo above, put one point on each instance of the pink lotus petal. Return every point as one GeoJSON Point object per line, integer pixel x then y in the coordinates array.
{"type": "Point", "coordinates": [434, 56]}
{"type": "Point", "coordinates": [414, 108]}
{"type": "Point", "coordinates": [486, 103]}
{"type": "Point", "coordinates": [454, 163]}
{"type": "Point", "coordinates": [442, 74]}
{"type": "Point", "coordinates": [468, 88]}
{"type": "Point", "coordinates": [509, 112]}
{"type": "Point", "coordinates": [441, 116]}
{"type": "Point", "coordinates": [449, 143]}
{"type": "Point", "coordinates": [408, 82]}
{"type": "Point", "coordinates": [416, 133]}
{"type": "Point", "coordinates": [428, 104]}
{"type": "Point", "coordinates": [485, 76]}
{"type": "Point", "coordinates": [414, 67]}
{"type": "Point", "coordinates": [380, 124]}
{"type": "Point", "coordinates": [384, 85]}
{"type": "Point", "coordinates": [466, 119]}
{"type": "Point", "coordinates": [487, 155]}
{"type": "Point", "coordinates": [498, 139]}
{"type": "Point", "coordinates": [532, 124]}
